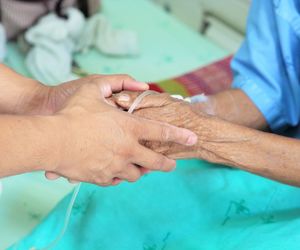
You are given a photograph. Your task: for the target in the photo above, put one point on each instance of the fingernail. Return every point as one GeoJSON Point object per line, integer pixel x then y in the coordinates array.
{"type": "Point", "coordinates": [124, 98]}
{"type": "Point", "coordinates": [192, 140]}
{"type": "Point", "coordinates": [146, 171]}
{"type": "Point", "coordinates": [144, 85]}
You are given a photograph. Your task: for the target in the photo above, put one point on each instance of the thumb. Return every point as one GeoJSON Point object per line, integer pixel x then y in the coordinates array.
{"type": "Point", "coordinates": [94, 91]}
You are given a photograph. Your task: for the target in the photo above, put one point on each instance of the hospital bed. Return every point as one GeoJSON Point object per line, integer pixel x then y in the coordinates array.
{"type": "Point", "coordinates": [167, 48]}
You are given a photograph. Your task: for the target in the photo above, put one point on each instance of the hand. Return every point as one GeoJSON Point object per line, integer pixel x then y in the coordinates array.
{"type": "Point", "coordinates": [39, 99]}
{"type": "Point", "coordinates": [164, 108]}
{"type": "Point", "coordinates": [102, 143]}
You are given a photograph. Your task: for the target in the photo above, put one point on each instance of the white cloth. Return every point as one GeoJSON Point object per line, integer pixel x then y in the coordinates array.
{"type": "Point", "coordinates": [2, 43]}
{"type": "Point", "coordinates": [100, 34]}
{"type": "Point", "coordinates": [54, 40]}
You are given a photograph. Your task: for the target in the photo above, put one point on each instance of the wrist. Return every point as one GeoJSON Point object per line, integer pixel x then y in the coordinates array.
{"type": "Point", "coordinates": [20, 95]}
{"type": "Point", "coordinates": [52, 142]}
{"type": "Point", "coordinates": [223, 142]}
{"type": "Point", "coordinates": [29, 143]}
{"type": "Point", "coordinates": [32, 98]}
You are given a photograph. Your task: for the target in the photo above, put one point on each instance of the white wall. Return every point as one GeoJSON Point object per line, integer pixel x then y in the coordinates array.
{"type": "Point", "coordinates": [226, 18]}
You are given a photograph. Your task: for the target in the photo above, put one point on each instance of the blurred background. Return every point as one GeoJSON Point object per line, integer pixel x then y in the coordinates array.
{"type": "Point", "coordinates": [168, 39]}
{"type": "Point", "coordinates": [223, 22]}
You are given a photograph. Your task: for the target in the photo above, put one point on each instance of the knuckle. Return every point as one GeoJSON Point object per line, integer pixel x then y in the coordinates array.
{"type": "Point", "coordinates": [95, 80]}
{"type": "Point", "coordinates": [97, 182]}
{"type": "Point", "coordinates": [130, 123]}
{"type": "Point", "coordinates": [167, 168]}
{"type": "Point", "coordinates": [165, 133]}
{"type": "Point", "coordinates": [115, 169]}
{"type": "Point", "coordinates": [102, 181]}
{"type": "Point", "coordinates": [87, 88]}
{"type": "Point", "coordinates": [126, 153]}
{"type": "Point", "coordinates": [134, 177]}
{"type": "Point", "coordinates": [126, 77]}
{"type": "Point", "coordinates": [158, 163]}
{"type": "Point", "coordinates": [118, 168]}
{"type": "Point", "coordinates": [136, 127]}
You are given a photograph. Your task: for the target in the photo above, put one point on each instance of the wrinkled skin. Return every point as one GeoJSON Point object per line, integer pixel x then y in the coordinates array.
{"type": "Point", "coordinates": [164, 108]}
{"type": "Point", "coordinates": [219, 141]}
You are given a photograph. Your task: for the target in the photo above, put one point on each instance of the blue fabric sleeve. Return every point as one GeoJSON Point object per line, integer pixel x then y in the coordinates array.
{"type": "Point", "coordinates": [260, 69]}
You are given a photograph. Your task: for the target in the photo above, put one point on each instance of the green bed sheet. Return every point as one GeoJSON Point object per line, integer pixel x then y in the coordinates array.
{"type": "Point", "coordinates": [197, 207]}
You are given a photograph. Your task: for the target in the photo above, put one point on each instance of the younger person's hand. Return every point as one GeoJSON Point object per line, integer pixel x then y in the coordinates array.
{"type": "Point", "coordinates": [39, 99]}
{"type": "Point", "coordinates": [101, 144]}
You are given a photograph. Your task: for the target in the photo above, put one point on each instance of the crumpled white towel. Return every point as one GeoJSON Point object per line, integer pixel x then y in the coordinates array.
{"type": "Point", "coordinates": [2, 43]}
{"type": "Point", "coordinates": [100, 34]}
{"type": "Point", "coordinates": [54, 40]}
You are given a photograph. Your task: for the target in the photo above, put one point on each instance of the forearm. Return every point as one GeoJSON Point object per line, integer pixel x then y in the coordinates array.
{"type": "Point", "coordinates": [265, 154]}
{"type": "Point", "coordinates": [226, 143]}
{"type": "Point", "coordinates": [234, 106]}
{"type": "Point", "coordinates": [14, 88]}
{"type": "Point", "coordinates": [221, 142]}
{"type": "Point", "coordinates": [27, 143]}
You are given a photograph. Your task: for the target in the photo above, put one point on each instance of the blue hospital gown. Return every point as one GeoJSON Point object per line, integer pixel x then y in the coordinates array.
{"type": "Point", "coordinates": [267, 67]}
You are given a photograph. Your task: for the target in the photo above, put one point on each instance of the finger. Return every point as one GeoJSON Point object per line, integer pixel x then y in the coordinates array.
{"type": "Point", "coordinates": [116, 83]}
{"type": "Point", "coordinates": [116, 181]}
{"type": "Point", "coordinates": [125, 99]}
{"type": "Point", "coordinates": [102, 183]}
{"type": "Point", "coordinates": [52, 176]}
{"type": "Point", "coordinates": [111, 102]}
{"type": "Point", "coordinates": [131, 174]}
{"type": "Point", "coordinates": [125, 82]}
{"type": "Point", "coordinates": [90, 92]}
{"type": "Point", "coordinates": [161, 132]}
{"type": "Point", "coordinates": [150, 160]}
{"type": "Point", "coordinates": [103, 178]}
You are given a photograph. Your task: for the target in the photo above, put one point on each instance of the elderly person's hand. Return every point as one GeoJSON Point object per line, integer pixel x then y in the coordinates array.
{"type": "Point", "coordinates": [164, 108]}
{"type": "Point", "coordinates": [220, 141]}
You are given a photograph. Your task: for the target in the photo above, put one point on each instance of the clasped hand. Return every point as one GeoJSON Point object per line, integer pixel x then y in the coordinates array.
{"type": "Point", "coordinates": [101, 144]}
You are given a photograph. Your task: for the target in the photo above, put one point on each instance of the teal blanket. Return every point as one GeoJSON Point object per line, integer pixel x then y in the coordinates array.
{"type": "Point", "coordinates": [198, 206]}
